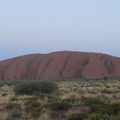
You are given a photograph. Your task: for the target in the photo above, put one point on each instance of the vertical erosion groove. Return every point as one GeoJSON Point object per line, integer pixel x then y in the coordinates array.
{"type": "Point", "coordinates": [65, 65]}
{"type": "Point", "coordinates": [82, 66]}
{"type": "Point", "coordinates": [46, 67]}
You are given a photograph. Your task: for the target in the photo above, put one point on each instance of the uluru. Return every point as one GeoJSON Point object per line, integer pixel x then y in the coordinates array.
{"type": "Point", "coordinates": [63, 64]}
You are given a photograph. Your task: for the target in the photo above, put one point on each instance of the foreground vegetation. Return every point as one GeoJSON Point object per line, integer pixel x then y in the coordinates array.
{"type": "Point", "coordinates": [63, 100]}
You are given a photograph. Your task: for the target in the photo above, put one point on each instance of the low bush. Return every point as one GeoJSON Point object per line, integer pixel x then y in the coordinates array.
{"type": "Point", "coordinates": [33, 108]}
{"type": "Point", "coordinates": [99, 116]}
{"type": "Point", "coordinates": [115, 108]}
{"type": "Point", "coordinates": [91, 101]}
{"type": "Point", "coordinates": [73, 101]}
{"type": "Point", "coordinates": [103, 109]}
{"type": "Point", "coordinates": [11, 106]}
{"type": "Point", "coordinates": [15, 114]}
{"type": "Point", "coordinates": [106, 109]}
{"type": "Point", "coordinates": [59, 106]}
{"type": "Point", "coordinates": [77, 116]}
{"type": "Point", "coordinates": [36, 87]}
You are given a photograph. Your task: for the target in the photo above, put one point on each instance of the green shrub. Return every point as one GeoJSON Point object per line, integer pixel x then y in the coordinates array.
{"type": "Point", "coordinates": [115, 108]}
{"type": "Point", "coordinates": [95, 116]}
{"type": "Point", "coordinates": [105, 78]}
{"type": "Point", "coordinates": [4, 94]}
{"type": "Point", "coordinates": [103, 109]}
{"type": "Point", "coordinates": [99, 116]}
{"type": "Point", "coordinates": [14, 99]}
{"type": "Point", "coordinates": [36, 87]}
{"type": "Point", "coordinates": [14, 111]}
{"type": "Point", "coordinates": [15, 114]}
{"type": "Point", "coordinates": [59, 106]}
{"type": "Point", "coordinates": [73, 101]}
{"type": "Point", "coordinates": [33, 108]}
{"type": "Point", "coordinates": [91, 101]}
{"type": "Point", "coordinates": [11, 106]}
{"type": "Point", "coordinates": [77, 116]}
{"type": "Point", "coordinates": [106, 109]}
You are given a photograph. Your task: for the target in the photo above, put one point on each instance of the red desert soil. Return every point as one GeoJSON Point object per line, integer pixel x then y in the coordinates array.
{"type": "Point", "coordinates": [60, 65]}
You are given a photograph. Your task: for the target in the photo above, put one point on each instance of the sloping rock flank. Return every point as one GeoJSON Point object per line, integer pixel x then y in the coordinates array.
{"type": "Point", "coordinates": [60, 65]}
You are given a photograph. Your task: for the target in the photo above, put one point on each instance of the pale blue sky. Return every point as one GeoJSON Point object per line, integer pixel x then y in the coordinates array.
{"type": "Point", "coordinates": [42, 26]}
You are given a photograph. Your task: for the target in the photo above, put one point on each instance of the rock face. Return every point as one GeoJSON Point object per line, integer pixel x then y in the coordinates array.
{"type": "Point", "coordinates": [60, 65]}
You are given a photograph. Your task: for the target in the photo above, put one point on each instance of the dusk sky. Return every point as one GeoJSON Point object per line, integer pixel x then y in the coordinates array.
{"type": "Point", "coordinates": [43, 26]}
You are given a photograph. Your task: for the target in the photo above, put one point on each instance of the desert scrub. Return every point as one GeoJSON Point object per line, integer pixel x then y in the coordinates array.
{"type": "Point", "coordinates": [33, 108]}
{"type": "Point", "coordinates": [73, 101]}
{"type": "Point", "coordinates": [77, 116]}
{"type": "Point", "coordinates": [12, 105]}
{"type": "Point", "coordinates": [103, 109]}
{"type": "Point", "coordinates": [36, 88]}
{"type": "Point", "coordinates": [59, 106]}
{"type": "Point", "coordinates": [14, 99]}
{"type": "Point", "coordinates": [99, 116]}
{"type": "Point", "coordinates": [91, 101]}
{"type": "Point", "coordinates": [15, 114]}
{"type": "Point", "coordinates": [14, 111]}
{"type": "Point", "coordinates": [113, 109]}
